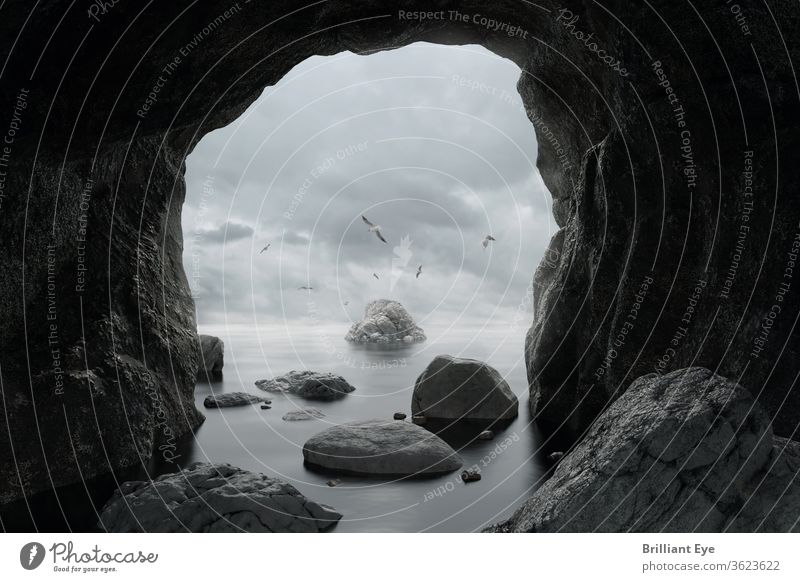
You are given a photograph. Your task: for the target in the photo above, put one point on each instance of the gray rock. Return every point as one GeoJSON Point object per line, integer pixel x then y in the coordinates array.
{"type": "Point", "coordinates": [462, 389]}
{"type": "Point", "coordinates": [556, 456]}
{"type": "Point", "coordinates": [381, 448]}
{"type": "Point", "coordinates": [399, 416]}
{"type": "Point", "coordinates": [419, 419]}
{"type": "Point", "coordinates": [307, 384]}
{"type": "Point", "coordinates": [470, 475]}
{"type": "Point", "coordinates": [385, 321]}
{"type": "Point", "coordinates": [486, 435]}
{"type": "Point", "coordinates": [304, 414]}
{"type": "Point", "coordinates": [213, 498]}
{"type": "Point", "coordinates": [229, 399]}
{"type": "Point", "coordinates": [212, 352]}
{"type": "Point", "coordinates": [688, 451]}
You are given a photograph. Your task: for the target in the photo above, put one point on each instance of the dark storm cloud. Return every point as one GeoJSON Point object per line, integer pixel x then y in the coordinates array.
{"type": "Point", "coordinates": [428, 141]}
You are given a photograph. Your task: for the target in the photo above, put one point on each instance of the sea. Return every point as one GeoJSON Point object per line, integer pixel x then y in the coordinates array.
{"type": "Point", "coordinates": [511, 465]}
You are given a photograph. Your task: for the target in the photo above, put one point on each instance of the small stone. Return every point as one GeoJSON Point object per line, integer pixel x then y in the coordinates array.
{"type": "Point", "coordinates": [334, 482]}
{"type": "Point", "coordinates": [399, 416]}
{"type": "Point", "coordinates": [486, 435]}
{"type": "Point", "coordinates": [555, 456]}
{"type": "Point", "coordinates": [470, 475]}
{"type": "Point", "coordinates": [419, 419]}
{"type": "Point", "coordinates": [265, 407]}
{"type": "Point", "coordinates": [304, 414]}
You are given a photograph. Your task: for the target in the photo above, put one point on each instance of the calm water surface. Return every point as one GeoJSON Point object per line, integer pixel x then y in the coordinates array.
{"type": "Point", "coordinates": [260, 440]}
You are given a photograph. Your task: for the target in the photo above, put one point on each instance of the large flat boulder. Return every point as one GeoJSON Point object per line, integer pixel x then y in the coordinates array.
{"type": "Point", "coordinates": [463, 389]}
{"type": "Point", "coordinates": [308, 384]}
{"type": "Point", "coordinates": [385, 448]}
{"type": "Point", "coordinates": [687, 451]}
{"type": "Point", "coordinates": [213, 498]}
{"type": "Point", "coordinates": [212, 352]}
{"type": "Point", "coordinates": [385, 322]}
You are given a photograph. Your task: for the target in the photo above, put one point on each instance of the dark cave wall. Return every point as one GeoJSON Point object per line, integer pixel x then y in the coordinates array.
{"type": "Point", "coordinates": [610, 152]}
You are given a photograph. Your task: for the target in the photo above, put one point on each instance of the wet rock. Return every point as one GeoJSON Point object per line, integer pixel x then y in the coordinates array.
{"type": "Point", "coordinates": [555, 456]}
{"type": "Point", "coordinates": [333, 482]}
{"type": "Point", "coordinates": [486, 435]}
{"type": "Point", "coordinates": [463, 389]}
{"type": "Point", "coordinates": [381, 448]}
{"type": "Point", "coordinates": [213, 498]}
{"type": "Point", "coordinates": [399, 416]}
{"type": "Point", "coordinates": [266, 407]}
{"type": "Point", "coordinates": [307, 384]}
{"type": "Point", "coordinates": [304, 414]}
{"type": "Point", "coordinates": [212, 352]}
{"type": "Point", "coordinates": [470, 475]}
{"type": "Point", "coordinates": [687, 451]}
{"type": "Point", "coordinates": [385, 321]}
{"type": "Point", "coordinates": [230, 399]}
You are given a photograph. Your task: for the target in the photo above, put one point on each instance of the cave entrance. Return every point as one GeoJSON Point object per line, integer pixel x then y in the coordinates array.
{"type": "Point", "coordinates": [431, 142]}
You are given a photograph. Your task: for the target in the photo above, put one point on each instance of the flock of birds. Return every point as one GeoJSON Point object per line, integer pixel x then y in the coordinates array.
{"type": "Point", "coordinates": [376, 228]}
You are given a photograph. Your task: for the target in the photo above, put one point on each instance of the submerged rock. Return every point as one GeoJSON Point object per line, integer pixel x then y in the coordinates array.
{"type": "Point", "coordinates": [230, 399]}
{"type": "Point", "coordinates": [688, 451]}
{"type": "Point", "coordinates": [462, 389]}
{"type": "Point", "coordinates": [304, 414]}
{"type": "Point", "coordinates": [381, 448]}
{"type": "Point", "coordinates": [385, 321]}
{"type": "Point", "coordinates": [307, 384]}
{"type": "Point", "coordinates": [213, 498]}
{"type": "Point", "coordinates": [212, 351]}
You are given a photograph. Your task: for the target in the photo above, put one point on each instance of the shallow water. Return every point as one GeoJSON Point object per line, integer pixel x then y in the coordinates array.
{"type": "Point", "coordinates": [260, 440]}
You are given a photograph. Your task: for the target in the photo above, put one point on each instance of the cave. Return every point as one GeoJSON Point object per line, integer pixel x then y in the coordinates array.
{"type": "Point", "coordinates": [666, 138]}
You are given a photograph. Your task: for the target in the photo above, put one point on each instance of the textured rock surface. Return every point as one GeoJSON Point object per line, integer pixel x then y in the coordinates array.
{"type": "Point", "coordinates": [385, 322]}
{"type": "Point", "coordinates": [459, 388]}
{"type": "Point", "coordinates": [212, 357]}
{"type": "Point", "coordinates": [214, 498]}
{"type": "Point", "coordinates": [688, 451]}
{"type": "Point", "coordinates": [381, 448]}
{"type": "Point", "coordinates": [610, 151]}
{"type": "Point", "coordinates": [305, 414]}
{"type": "Point", "coordinates": [230, 399]}
{"type": "Point", "coordinates": [307, 384]}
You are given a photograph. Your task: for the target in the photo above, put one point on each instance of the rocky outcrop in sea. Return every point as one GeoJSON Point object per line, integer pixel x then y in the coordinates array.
{"type": "Point", "coordinates": [231, 399]}
{"type": "Point", "coordinates": [214, 498]}
{"type": "Point", "coordinates": [308, 384]}
{"type": "Point", "coordinates": [385, 322]}
{"type": "Point", "coordinates": [688, 451]}
{"type": "Point", "coordinates": [212, 358]}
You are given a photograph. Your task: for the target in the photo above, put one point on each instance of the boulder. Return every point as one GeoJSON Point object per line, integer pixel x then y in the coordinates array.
{"type": "Point", "coordinates": [212, 351]}
{"type": "Point", "coordinates": [399, 416]}
{"type": "Point", "coordinates": [213, 498]}
{"type": "Point", "coordinates": [462, 389]}
{"type": "Point", "coordinates": [307, 384]}
{"type": "Point", "coordinates": [304, 414]}
{"type": "Point", "coordinates": [229, 399]}
{"type": "Point", "coordinates": [684, 452]}
{"type": "Point", "coordinates": [381, 448]}
{"type": "Point", "coordinates": [385, 321]}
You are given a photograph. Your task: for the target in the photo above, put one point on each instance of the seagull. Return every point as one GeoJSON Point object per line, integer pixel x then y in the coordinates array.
{"type": "Point", "coordinates": [376, 276]}
{"type": "Point", "coordinates": [373, 228]}
{"type": "Point", "coordinates": [488, 238]}
{"type": "Point", "coordinates": [419, 271]}
{"type": "Point", "coordinates": [266, 248]}
{"type": "Point", "coordinates": [305, 288]}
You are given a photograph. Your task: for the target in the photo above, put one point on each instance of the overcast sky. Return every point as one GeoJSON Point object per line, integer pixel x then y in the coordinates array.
{"type": "Point", "coordinates": [408, 138]}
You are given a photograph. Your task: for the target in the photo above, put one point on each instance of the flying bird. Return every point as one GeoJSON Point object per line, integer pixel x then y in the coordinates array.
{"type": "Point", "coordinates": [376, 276]}
{"type": "Point", "coordinates": [305, 288]}
{"type": "Point", "coordinates": [373, 228]}
{"type": "Point", "coordinates": [419, 271]}
{"type": "Point", "coordinates": [488, 238]}
{"type": "Point", "coordinates": [266, 248]}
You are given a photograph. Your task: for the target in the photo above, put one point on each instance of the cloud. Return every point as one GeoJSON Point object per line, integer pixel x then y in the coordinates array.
{"type": "Point", "coordinates": [401, 136]}
{"type": "Point", "coordinates": [226, 232]}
